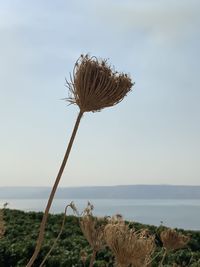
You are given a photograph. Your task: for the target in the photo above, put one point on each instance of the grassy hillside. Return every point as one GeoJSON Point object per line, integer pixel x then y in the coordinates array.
{"type": "Point", "coordinates": [17, 245]}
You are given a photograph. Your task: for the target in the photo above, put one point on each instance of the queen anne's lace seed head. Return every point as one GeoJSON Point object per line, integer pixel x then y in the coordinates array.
{"type": "Point", "coordinates": [94, 85]}
{"type": "Point", "coordinates": [173, 240]}
{"type": "Point", "coordinates": [93, 228]}
{"type": "Point", "coordinates": [128, 246]}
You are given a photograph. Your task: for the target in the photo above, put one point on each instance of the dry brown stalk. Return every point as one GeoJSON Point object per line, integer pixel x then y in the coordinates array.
{"type": "Point", "coordinates": [93, 230]}
{"type": "Point", "coordinates": [2, 224]}
{"type": "Point", "coordinates": [163, 258]}
{"type": "Point", "coordinates": [128, 246]}
{"type": "Point", "coordinates": [94, 86]}
{"type": "Point", "coordinates": [50, 200]}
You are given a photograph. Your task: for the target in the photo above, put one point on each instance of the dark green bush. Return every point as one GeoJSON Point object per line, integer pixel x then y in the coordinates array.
{"type": "Point", "coordinates": [17, 246]}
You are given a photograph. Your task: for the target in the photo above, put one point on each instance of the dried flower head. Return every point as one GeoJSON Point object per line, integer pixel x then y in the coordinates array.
{"type": "Point", "coordinates": [93, 228]}
{"type": "Point", "coordinates": [127, 245]}
{"type": "Point", "coordinates": [143, 250]}
{"type": "Point", "coordinates": [95, 85]}
{"type": "Point", "coordinates": [2, 224]}
{"type": "Point", "coordinates": [172, 240]}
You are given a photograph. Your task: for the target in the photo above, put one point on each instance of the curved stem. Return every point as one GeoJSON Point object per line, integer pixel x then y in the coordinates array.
{"type": "Point", "coordinates": [93, 258]}
{"type": "Point", "coordinates": [164, 255]}
{"type": "Point", "coordinates": [53, 191]}
{"type": "Point", "coordinates": [151, 260]}
{"type": "Point", "coordinates": [58, 236]}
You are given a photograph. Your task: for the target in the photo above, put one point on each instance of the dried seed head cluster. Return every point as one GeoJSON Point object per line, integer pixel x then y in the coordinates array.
{"type": "Point", "coordinates": [172, 240]}
{"type": "Point", "coordinates": [93, 228]}
{"type": "Point", "coordinates": [127, 245]}
{"type": "Point", "coordinates": [95, 85]}
{"type": "Point", "coordinates": [2, 224]}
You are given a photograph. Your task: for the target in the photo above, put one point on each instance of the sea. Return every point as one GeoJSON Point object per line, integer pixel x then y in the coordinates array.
{"type": "Point", "coordinates": [175, 213]}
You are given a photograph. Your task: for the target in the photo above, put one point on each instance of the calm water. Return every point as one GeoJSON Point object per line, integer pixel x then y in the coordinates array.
{"type": "Point", "coordinates": [174, 212]}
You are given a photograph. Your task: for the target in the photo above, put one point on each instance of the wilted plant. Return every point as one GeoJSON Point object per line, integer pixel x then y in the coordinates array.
{"type": "Point", "coordinates": [93, 87]}
{"type": "Point", "coordinates": [2, 224]}
{"type": "Point", "coordinates": [128, 246]}
{"type": "Point", "coordinates": [93, 230]}
{"type": "Point", "coordinates": [172, 240]}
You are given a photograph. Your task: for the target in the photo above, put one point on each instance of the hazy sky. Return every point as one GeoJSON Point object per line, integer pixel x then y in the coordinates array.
{"type": "Point", "coordinates": [152, 137]}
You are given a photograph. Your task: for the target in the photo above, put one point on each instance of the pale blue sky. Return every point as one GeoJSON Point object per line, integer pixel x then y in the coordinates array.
{"type": "Point", "coordinates": [152, 137]}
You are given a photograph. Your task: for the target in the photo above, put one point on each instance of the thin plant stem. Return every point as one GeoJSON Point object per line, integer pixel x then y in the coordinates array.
{"type": "Point", "coordinates": [58, 236]}
{"type": "Point", "coordinates": [164, 255]}
{"type": "Point", "coordinates": [93, 258]}
{"type": "Point", "coordinates": [150, 261]}
{"type": "Point", "coordinates": [53, 191]}
{"type": "Point", "coordinates": [191, 258]}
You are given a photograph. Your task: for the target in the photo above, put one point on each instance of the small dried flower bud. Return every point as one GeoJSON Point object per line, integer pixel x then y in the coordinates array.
{"type": "Point", "coordinates": [95, 86]}
{"type": "Point", "coordinates": [172, 240]}
{"type": "Point", "coordinates": [73, 207]}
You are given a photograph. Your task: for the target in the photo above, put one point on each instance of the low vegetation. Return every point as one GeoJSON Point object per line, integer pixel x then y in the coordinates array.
{"type": "Point", "coordinates": [81, 242]}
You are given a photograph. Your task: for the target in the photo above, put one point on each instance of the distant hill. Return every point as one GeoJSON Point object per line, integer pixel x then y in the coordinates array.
{"type": "Point", "coordinates": [110, 192]}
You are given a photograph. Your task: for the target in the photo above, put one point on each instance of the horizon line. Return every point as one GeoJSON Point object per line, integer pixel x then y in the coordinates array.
{"type": "Point", "coordinates": [81, 186]}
